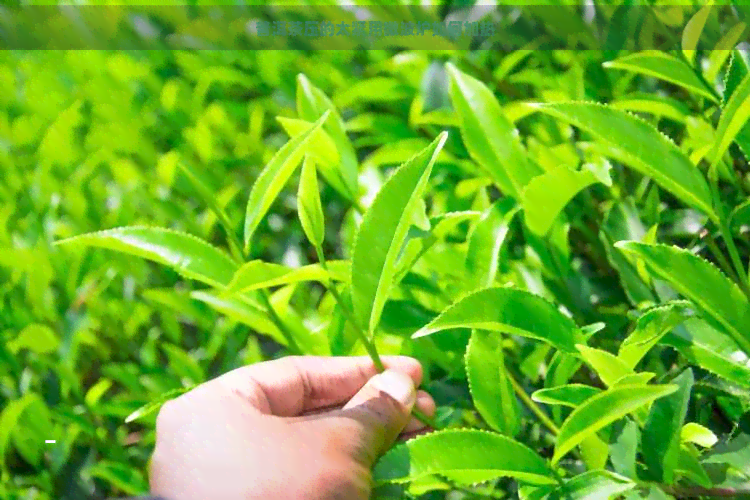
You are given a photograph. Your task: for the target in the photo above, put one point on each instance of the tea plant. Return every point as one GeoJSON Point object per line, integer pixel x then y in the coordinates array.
{"type": "Point", "coordinates": [568, 263]}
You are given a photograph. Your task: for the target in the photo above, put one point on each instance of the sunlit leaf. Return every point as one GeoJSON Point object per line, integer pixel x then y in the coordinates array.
{"type": "Point", "coordinates": [697, 434]}
{"type": "Point", "coordinates": [661, 434]}
{"type": "Point", "coordinates": [511, 311]}
{"type": "Point", "coordinates": [649, 329]}
{"type": "Point", "coordinates": [155, 405]}
{"type": "Point", "coordinates": [37, 338]}
{"type": "Point", "coordinates": [309, 206]}
{"type": "Point", "coordinates": [383, 231]}
{"type": "Point", "coordinates": [312, 103]}
{"type": "Point", "coordinates": [546, 195]}
{"type": "Point", "coordinates": [733, 123]}
{"type": "Point", "coordinates": [663, 66]}
{"type": "Point", "coordinates": [471, 451]}
{"type": "Point", "coordinates": [696, 279]}
{"type": "Point", "coordinates": [603, 409]}
{"type": "Point", "coordinates": [640, 146]}
{"type": "Point", "coordinates": [567, 395]}
{"type": "Point", "coordinates": [692, 32]}
{"type": "Point", "coordinates": [258, 274]}
{"type": "Point", "coordinates": [490, 138]}
{"type": "Point", "coordinates": [320, 148]}
{"type": "Point", "coordinates": [489, 383]}
{"type": "Point", "coordinates": [606, 365]}
{"type": "Point", "coordinates": [274, 176]}
{"type": "Point", "coordinates": [593, 485]}
{"type": "Point", "coordinates": [485, 241]}
{"type": "Point", "coordinates": [186, 254]}
{"type": "Point", "coordinates": [711, 349]}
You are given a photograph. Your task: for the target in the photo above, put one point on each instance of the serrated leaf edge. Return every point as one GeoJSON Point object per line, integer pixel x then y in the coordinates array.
{"type": "Point", "coordinates": [455, 431]}
{"type": "Point", "coordinates": [466, 295]}
{"type": "Point", "coordinates": [717, 272]}
{"type": "Point", "coordinates": [440, 140]}
{"type": "Point", "coordinates": [114, 230]}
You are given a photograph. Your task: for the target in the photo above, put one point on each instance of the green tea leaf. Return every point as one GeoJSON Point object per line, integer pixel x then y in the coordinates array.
{"type": "Point", "coordinates": [309, 207]}
{"type": "Point", "coordinates": [736, 73]}
{"type": "Point", "coordinates": [244, 311]}
{"type": "Point", "coordinates": [593, 485]}
{"type": "Point", "coordinates": [691, 468]}
{"type": "Point", "coordinates": [96, 392]}
{"type": "Point", "coordinates": [720, 54]}
{"type": "Point", "coordinates": [471, 451]}
{"type": "Point", "coordinates": [658, 106]}
{"type": "Point", "coordinates": [711, 349]}
{"type": "Point", "coordinates": [546, 195]}
{"type": "Point", "coordinates": [696, 279]}
{"type": "Point", "coordinates": [191, 257]}
{"type": "Point", "coordinates": [121, 475]}
{"type": "Point", "coordinates": [271, 180]}
{"type": "Point", "coordinates": [490, 138]}
{"type": "Point", "coordinates": [663, 66]}
{"type": "Point", "coordinates": [622, 222]}
{"type": "Point", "coordinates": [660, 439]}
{"type": "Point", "coordinates": [312, 103]}
{"type": "Point", "coordinates": [257, 274]}
{"type": "Point", "coordinates": [183, 365]}
{"type": "Point", "coordinates": [639, 145]}
{"type": "Point", "coordinates": [735, 453]}
{"type": "Point", "coordinates": [37, 338]}
{"type": "Point", "coordinates": [490, 387]}
{"type": "Point", "coordinates": [606, 365]}
{"type": "Point", "coordinates": [510, 311]}
{"type": "Point", "coordinates": [623, 447]}
{"type": "Point", "coordinates": [321, 147]}
{"type": "Point", "coordinates": [210, 198]}
{"type": "Point", "coordinates": [443, 224]}
{"type": "Point", "coordinates": [594, 452]}
{"type": "Point", "coordinates": [155, 405]}
{"type": "Point", "coordinates": [485, 241]}
{"type": "Point", "coordinates": [697, 434]}
{"type": "Point", "coordinates": [567, 395]}
{"type": "Point", "coordinates": [383, 232]}
{"type": "Point", "coordinates": [650, 329]}
{"type": "Point", "coordinates": [641, 378]}
{"type": "Point", "coordinates": [9, 417]}
{"type": "Point", "coordinates": [603, 409]}
{"type": "Point", "coordinates": [733, 123]}
{"type": "Point", "coordinates": [692, 32]}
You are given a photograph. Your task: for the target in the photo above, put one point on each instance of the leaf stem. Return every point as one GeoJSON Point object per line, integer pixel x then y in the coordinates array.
{"type": "Point", "coordinates": [235, 246]}
{"type": "Point", "coordinates": [720, 258]}
{"type": "Point", "coordinates": [720, 220]}
{"type": "Point", "coordinates": [531, 405]}
{"type": "Point", "coordinates": [280, 324]}
{"type": "Point", "coordinates": [369, 346]}
{"type": "Point", "coordinates": [735, 256]}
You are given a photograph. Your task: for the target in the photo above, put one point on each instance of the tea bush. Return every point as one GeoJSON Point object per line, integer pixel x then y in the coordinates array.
{"type": "Point", "coordinates": [559, 236]}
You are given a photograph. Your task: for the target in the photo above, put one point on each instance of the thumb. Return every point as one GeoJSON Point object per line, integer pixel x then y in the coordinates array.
{"type": "Point", "coordinates": [379, 412]}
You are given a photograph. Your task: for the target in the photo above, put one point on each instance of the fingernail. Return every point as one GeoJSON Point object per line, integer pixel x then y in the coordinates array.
{"type": "Point", "coordinates": [397, 385]}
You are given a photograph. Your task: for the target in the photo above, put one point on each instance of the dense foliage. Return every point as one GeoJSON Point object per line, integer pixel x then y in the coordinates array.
{"type": "Point", "coordinates": [559, 236]}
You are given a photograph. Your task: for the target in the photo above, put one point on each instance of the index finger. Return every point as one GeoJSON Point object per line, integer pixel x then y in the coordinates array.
{"type": "Point", "coordinates": [290, 386]}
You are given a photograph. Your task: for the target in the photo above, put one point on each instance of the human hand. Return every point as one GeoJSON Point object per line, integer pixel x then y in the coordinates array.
{"type": "Point", "coordinates": [294, 428]}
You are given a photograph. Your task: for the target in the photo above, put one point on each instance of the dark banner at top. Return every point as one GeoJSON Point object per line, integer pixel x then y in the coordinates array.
{"type": "Point", "coordinates": [590, 26]}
